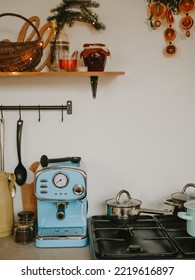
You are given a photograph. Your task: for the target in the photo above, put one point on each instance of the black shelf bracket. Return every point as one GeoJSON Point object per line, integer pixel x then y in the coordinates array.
{"type": "Point", "coordinates": [94, 83]}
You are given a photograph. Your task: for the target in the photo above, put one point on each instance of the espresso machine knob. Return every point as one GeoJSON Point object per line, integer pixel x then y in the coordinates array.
{"type": "Point", "coordinates": [78, 189]}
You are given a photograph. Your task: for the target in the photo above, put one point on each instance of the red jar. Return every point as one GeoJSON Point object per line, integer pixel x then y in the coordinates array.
{"type": "Point", "coordinates": [95, 56]}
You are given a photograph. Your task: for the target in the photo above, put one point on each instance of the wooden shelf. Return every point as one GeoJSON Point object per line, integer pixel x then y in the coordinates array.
{"type": "Point", "coordinates": [93, 76]}
{"type": "Point", "coordinates": [76, 73]}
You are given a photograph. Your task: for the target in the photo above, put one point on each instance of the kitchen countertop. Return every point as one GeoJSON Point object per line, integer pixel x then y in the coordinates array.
{"type": "Point", "coordinates": [9, 250]}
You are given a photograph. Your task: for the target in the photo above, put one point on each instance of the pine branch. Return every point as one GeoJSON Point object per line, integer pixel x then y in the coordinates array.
{"type": "Point", "coordinates": [70, 11]}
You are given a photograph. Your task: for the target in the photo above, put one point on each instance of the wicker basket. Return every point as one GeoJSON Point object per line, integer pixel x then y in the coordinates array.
{"type": "Point", "coordinates": [20, 56]}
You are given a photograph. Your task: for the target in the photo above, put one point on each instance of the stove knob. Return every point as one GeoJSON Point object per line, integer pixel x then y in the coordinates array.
{"type": "Point", "coordinates": [78, 189]}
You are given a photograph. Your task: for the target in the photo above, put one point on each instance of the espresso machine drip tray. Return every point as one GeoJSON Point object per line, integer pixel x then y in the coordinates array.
{"type": "Point", "coordinates": [60, 232]}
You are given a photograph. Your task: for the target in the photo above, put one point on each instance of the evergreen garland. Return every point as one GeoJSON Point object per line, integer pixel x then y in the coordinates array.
{"type": "Point", "coordinates": [70, 11]}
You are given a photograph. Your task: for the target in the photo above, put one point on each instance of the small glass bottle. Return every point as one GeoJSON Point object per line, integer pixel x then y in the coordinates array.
{"type": "Point", "coordinates": [24, 228]}
{"type": "Point", "coordinates": [57, 46]}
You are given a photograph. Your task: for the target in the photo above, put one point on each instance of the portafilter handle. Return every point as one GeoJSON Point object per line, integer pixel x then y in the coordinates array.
{"type": "Point", "coordinates": [45, 161]}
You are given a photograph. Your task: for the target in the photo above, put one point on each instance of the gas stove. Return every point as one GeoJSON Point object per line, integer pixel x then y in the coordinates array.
{"type": "Point", "coordinates": [146, 237]}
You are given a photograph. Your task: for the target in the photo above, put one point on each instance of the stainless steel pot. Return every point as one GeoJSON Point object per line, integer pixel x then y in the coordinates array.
{"type": "Point", "coordinates": [129, 208]}
{"type": "Point", "coordinates": [179, 198]}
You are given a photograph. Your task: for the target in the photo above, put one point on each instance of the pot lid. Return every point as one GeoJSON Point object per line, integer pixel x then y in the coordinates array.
{"type": "Point", "coordinates": [180, 196]}
{"type": "Point", "coordinates": [123, 202]}
{"type": "Point", "coordinates": [185, 195]}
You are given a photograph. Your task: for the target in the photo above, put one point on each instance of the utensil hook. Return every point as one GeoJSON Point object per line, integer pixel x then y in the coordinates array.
{"type": "Point", "coordinates": [1, 113]}
{"type": "Point", "coordinates": [62, 118]}
{"type": "Point", "coordinates": [19, 110]}
{"type": "Point", "coordinates": [39, 119]}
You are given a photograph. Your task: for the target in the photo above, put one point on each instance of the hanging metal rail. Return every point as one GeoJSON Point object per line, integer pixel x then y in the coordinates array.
{"type": "Point", "coordinates": [39, 108]}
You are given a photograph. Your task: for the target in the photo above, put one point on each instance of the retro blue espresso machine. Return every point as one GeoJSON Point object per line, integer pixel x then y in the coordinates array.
{"type": "Point", "coordinates": [61, 191]}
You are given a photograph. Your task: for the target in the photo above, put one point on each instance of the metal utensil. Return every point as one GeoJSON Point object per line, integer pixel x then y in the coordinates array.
{"type": "Point", "coordinates": [2, 141]}
{"type": "Point", "coordinates": [2, 144]}
{"type": "Point", "coordinates": [20, 171]}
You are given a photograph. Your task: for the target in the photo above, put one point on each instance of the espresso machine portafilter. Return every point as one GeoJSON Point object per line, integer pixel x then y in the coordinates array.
{"type": "Point", "coordinates": [61, 191]}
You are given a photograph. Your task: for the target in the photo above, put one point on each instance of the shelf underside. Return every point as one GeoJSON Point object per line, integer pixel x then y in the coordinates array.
{"type": "Point", "coordinates": [76, 73]}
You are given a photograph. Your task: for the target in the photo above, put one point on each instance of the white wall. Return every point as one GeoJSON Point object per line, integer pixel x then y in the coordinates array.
{"type": "Point", "coordinates": [138, 134]}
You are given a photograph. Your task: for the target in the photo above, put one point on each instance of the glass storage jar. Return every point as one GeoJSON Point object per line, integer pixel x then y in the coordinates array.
{"type": "Point", "coordinates": [58, 45]}
{"type": "Point", "coordinates": [24, 228]}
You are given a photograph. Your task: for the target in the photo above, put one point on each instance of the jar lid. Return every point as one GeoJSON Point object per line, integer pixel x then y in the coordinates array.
{"type": "Point", "coordinates": [94, 48]}
{"type": "Point", "coordinates": [26, 215]}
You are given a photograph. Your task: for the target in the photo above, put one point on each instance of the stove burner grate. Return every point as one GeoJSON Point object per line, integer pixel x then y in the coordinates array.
{"type": "Point", "coordinates": [176, 230]}
{"type": "Point", "coordinates": [140, 239]}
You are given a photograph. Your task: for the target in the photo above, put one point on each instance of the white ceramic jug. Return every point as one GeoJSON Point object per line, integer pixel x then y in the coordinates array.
{"type": "Point", "coordinates": [7, 181]}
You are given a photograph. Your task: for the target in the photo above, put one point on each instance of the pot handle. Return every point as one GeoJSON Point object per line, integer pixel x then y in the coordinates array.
{"type": "Point", "coordinates": [170, 203]}
{"type": "Point", "coordinates": [185, 216]}
{"type": "Point", "coordinates": [154, 211]}
{"type": "Point", "coordinates": [120, 193]}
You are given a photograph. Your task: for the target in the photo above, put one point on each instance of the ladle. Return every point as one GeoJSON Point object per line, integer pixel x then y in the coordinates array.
{"type": "Point", "coordinates": [20, 171]}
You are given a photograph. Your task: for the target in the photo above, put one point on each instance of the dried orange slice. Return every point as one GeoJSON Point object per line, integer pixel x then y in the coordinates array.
{"type": "Point", "coordinates": [185, 6]}
{"type": "Point", "coordinates": [170, 50]}
{"type": "Point", "coordinates": [157, 10]}
{"type": "Point", "coordinates": [169, 16]}
{"type": "Point", "coordinates": [170, 34]}
{"type": "Point", "coordinates": [157, 23]}
{"type": "Point", "coordinates": [187, 22]}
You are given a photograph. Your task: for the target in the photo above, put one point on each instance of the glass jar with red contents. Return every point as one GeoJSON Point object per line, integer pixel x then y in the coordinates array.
{"type": "Point", "coordinates": [95, 56]}
{"type": "Point", "coordinates": [68, 62]}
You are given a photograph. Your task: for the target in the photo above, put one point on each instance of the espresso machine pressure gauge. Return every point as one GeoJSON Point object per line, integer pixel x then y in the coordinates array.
{"type": "Point", "coordinates": [60, 180]}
